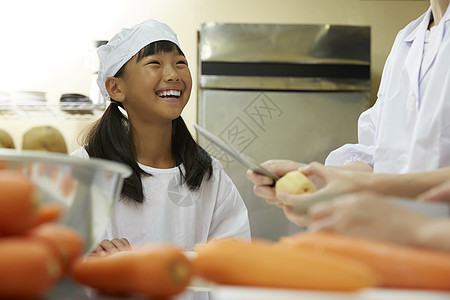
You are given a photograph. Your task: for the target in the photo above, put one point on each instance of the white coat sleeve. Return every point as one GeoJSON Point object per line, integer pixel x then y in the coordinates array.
{"type": "Point", "coordinates": [364, 150]}
{"type": "Point", "coordinates": [368, 124]}
{"type": "Point", "coordinates": [230, 217]}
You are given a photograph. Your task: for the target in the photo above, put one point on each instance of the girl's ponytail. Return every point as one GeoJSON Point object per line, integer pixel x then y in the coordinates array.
{"type": "Point", "coordinates": [110, 139]}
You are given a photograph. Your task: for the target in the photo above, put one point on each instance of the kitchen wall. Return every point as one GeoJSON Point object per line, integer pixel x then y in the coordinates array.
{"type": "Point", "coordinates": [47, 44]}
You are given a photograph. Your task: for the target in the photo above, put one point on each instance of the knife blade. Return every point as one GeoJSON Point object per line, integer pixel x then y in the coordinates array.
{"type": "Point", "coordinates": [435, 209]}
{"type": "Point", "coordinates": [245, 160]}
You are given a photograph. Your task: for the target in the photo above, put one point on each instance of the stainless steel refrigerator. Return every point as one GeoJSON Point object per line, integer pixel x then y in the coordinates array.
{"type": "Point", "coordinates": [280, 92]}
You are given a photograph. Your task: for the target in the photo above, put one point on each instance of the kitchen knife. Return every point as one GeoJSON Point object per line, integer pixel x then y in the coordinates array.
{"type": "Point", "coordinates": [434, 209]}
{"type": "Point", "coordinates": [237, 155]}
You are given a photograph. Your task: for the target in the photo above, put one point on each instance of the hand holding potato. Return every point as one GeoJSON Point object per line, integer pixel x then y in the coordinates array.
{"type": "Point", "coordinates": [295, 182]}
{"type": "Point", "coordinates": [262, 184]}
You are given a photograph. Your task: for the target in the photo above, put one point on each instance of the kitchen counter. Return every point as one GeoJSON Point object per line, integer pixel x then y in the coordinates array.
{"type": "Point", "coordinates": [68, 290]}
{"type": "Point", "coordinates": [247, 293]}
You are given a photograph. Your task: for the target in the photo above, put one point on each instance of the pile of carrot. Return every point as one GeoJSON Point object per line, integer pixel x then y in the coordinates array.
{"type": "Point", "coordinates": [397, 266]}
{"type": "Point", "coordinates": [265, 264]}
{"type": "Point", "coordinates": [157, 270]}
{"type": "Point", "coordinates": [322, 261]}
{"type": "Point", "coordinates": [35, 251]}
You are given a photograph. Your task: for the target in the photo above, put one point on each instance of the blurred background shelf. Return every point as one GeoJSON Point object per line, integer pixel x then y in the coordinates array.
{"type": "Point", "coordinates": [66, 110]}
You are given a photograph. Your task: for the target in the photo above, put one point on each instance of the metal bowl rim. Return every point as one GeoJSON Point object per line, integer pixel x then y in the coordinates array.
{"type": "Point", "coordinates": [59, 158]}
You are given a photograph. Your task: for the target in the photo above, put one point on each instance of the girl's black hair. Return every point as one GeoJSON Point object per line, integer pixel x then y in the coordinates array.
{"type": "Point", "coordinates": [110, 138]}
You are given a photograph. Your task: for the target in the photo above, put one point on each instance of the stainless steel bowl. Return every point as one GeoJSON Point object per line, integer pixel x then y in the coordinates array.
{"type": "Point", "coordinates": [87, 189]}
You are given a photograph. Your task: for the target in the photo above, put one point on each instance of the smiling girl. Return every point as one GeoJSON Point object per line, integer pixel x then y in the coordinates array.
{"type": "Point", "coordinates": [177, 193]}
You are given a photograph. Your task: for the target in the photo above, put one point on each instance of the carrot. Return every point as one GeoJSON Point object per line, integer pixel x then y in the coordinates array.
{"type": "Point", "coordinates": [28, 268]}
{"type": "Point", "coordinates": [18, 203]}
{"type": "Point", "coordinates": [49, 212]}
{"type": "Point", "coordinates": [272, 265]}
{"type": "Point", "coordinates": [68, 185]}
{"type": "Point", "coordinates": [3, 164]}
{"type": "Point", "coordinates": [399, 266]}
{"type": "Point", "coordinates": [158, 270]}
{"type": "Point", "coordinates": [67, 242]}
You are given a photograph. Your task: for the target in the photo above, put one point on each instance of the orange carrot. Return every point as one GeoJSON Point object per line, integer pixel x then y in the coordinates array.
{"type": "Point", "coordinates": [3, 164]}
{"type": "Point", "coordinates": [67, 242]}
{"type": "Point", "coordinates": [28, 268]}
{"type": "Point", "coordinates": [272, 265]}
{"type": "Point", "coordinates": [49, 212]}
{"type": "Point", "coordinates": [399, 266]}
{"type": "Point", "coordinates": [157, 270]}
{"type": "Point", "coordinates": [18, 203]}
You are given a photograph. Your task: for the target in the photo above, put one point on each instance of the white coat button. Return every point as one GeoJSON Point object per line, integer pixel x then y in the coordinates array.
{"type": "Point", "coordinates": [412, 101]}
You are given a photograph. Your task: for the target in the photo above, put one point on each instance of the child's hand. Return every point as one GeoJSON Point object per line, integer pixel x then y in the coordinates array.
{"type": "Point", "coordinates": [107, 247]}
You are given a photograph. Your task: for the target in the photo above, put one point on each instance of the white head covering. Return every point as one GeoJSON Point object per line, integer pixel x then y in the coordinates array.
{"type": "Point", "coordinates": [126, 44]}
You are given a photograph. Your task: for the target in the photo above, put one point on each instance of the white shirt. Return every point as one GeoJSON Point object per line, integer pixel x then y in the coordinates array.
{"type": "Point", "coordinates": [408, 128]}
{"type": "Point", "coordinates": [173, 213]}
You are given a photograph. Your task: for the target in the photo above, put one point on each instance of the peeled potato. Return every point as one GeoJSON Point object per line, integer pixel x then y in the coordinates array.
{"type": "Point", "coordinates": [295, 182]}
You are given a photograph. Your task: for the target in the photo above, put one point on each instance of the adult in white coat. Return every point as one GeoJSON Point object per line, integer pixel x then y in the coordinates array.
{"type": "Point", "coordinates": [404, 139]}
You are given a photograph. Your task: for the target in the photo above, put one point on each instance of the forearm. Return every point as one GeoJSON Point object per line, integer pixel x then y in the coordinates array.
{"type": "Point", "coordinates": [435, 235]}
{"type": "Point", "coordinates": [356, 166]}
{"type": "Point", "coordinates": [406, 185]}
